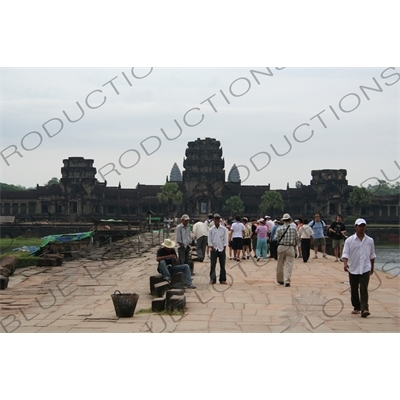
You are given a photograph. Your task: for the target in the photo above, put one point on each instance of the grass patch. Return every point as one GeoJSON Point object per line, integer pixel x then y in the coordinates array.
{"type": "Point", "coordinates": [145, 311]}
{"type": "Point", "coordinates": [8, 244]}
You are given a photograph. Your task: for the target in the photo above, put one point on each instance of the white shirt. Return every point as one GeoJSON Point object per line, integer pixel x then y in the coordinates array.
{"type": "Point", "coordinates": [200, 229]}
{"type": "Point", "coordinates": [183, 235]}
{"type": "Point", "coordinates": [359, 254]}
{"type": "Point", "coordinates": [209, 223]}
{"type": "Point", "coordinates": [305, 232]}
{"type": "Point", "coordinates": [237, 229]}
{"type": "Point", "coordinates": [270, 224]}
{"type": "Point", "coordinates": [218, 237]}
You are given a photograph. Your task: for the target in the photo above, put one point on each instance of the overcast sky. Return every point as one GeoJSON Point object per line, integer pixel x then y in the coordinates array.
{"type": "Point", "coordinates": [124, 130]}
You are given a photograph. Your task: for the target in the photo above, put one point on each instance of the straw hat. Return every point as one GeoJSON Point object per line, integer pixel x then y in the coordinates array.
{"type": "Point", "coordinates": [168, 243]}
{"type": "Point", "coordinates": [286, 217]}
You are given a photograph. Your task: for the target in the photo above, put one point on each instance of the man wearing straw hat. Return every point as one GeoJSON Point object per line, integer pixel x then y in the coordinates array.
{"type": "Point", "coordinates": [167, 260]}
{"type": "Point", "coordinates": [286, 237]}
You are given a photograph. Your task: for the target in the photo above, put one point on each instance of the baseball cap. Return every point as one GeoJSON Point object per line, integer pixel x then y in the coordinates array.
{"type": "Point", "coordinates": [185, 216]}
{"type": "Point", "coordinates": [360, 221]}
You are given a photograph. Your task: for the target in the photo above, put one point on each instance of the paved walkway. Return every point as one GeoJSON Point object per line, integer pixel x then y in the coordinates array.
{"type": "Point", "coordinates": [75, 297]}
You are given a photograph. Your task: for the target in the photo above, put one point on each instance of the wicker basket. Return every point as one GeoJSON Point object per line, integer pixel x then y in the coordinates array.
{"type": "Point", "coordinates": [124, 303]}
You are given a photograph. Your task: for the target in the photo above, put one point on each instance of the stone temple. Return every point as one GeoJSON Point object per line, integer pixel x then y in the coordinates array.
{"type": "Point", "coordinates": [205, 188]}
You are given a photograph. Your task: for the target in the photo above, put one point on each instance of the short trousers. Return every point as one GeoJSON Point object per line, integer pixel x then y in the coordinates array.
{"type": "Point", "coordinates": [319, 242]}
{"type": "Point", "coordinates": [337, 243]}
{"type": "Point", "coordinates": [247, 242]}
{"type": "Point", "coordinates": [237, 243]}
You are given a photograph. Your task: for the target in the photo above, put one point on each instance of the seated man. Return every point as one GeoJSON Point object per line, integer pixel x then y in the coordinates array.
{"type": "Point", "coordinates": [167, 260]}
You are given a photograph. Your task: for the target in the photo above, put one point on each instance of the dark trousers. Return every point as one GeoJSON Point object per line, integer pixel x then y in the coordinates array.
{"type": "Point", "coordinates": [305, 249]}
{"type": "Point", "coordinates": [201, 247]}
{"type": "Point", "coordinates": [254, 243]}
{"type": "Point", "coordinates": [359, 291]}
{"type": "Point", "coordinates": [273, 249]}
{"type": "Point", "coordinates": [183, 255]}
{"type": "Point", "coordinates": [214, 256]}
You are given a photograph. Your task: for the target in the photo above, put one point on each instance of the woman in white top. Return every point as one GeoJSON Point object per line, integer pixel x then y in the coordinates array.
{"type": "Point", "coordinates": [305, 234]}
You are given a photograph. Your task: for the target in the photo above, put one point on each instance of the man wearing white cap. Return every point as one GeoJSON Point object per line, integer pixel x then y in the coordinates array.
{"type": "Point", "coordinates": [358, 258]}
{"type": "Point", "coordinates": [167, 260]}
{"type": "Point", "coordinates": [184, 239]}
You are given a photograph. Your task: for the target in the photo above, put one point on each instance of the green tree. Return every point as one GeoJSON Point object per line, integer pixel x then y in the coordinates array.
{"type": "Point", "coordinates": [6, 186]}
{"type": "Point", "coordinates": [359, 196]}
{"type": "Point", "coordinates": [299, 185]}
{"type": "Point", "coordinates": [384, 188]}
{"type": "Point", "coordinates": [271, 201]}
{"type": "Point", "coordinates": [170, 194]}
{"type": "Point", "coordinates": [233, 205]}
{"type": "Point", "coordinates": [52, 181]}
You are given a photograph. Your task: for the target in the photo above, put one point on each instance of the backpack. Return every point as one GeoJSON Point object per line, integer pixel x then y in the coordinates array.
{"type": "Point", "coordinates": [323, 227]}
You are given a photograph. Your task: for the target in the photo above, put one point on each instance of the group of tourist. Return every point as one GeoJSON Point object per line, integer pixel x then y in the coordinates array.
{"type": "Point", "coordinates": [284, 239]}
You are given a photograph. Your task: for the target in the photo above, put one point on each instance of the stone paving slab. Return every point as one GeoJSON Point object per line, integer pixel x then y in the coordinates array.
{"type": "Point", "coordinates": [76, 297]}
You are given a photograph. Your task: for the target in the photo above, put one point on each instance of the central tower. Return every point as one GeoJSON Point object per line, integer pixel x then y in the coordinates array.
{"type": "Point", "coordinates": [204, 175]}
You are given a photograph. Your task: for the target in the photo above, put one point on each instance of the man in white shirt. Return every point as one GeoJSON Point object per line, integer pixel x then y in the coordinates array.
{"type": "Point", "coordinates": [200, 232]}
{"type": "Point", "coordinates": [218, 240]}
{"type": "Point", "coordinates": [270, 224]}
{"type": "Point", "coordinates": [358, 258]}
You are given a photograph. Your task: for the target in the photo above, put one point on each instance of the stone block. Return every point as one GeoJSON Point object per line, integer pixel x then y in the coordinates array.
{"type": "Point", "coordinates": [4, 272]}
{"type": "Point", "coordinates": [158, 305]}
{"type": "Point", "coordinates": [9, 263]}
{"type": "Point", "coordinates": [57, 257]}
{"type": "Point", "coordinates": [177, 303]}
{"type": "Point", "coordinates": [3, 282]}
{"type": "Point", "coordinates": [153, 280]}
{"type": "Point", "coordinates": [46, 262]}
{"type": "Point", "coordinates": [160, 289]}
{"type": "Point", "coordinates": [177, 281]}
{"type": "Point", "coordinates": [174, 292]}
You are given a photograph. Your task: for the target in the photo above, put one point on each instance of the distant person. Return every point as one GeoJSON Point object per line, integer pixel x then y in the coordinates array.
{"type": "Point", "coordinates": [286, 236]}
{"type": "Point", "coordinates": [305, 234]}
{"type": "Point", "coordinates": [338, 230]}
{"type": "Point", "coordinates": [273, 250]}
{"type": "Point", "coordinates": [209, 223]}
{"type": "Point", "coordinates": [359, 258]}
{"type": "Point", "coordinates": [246, 238]}
{"type": "Point", "coordinates": [254, 225]}
{"type": "Point", "coordinates": [318, 236]}
{"type": "Point", "coordinates": [183, 237]}
{"type": "Point", "coordinates": [262, 237]}
{"type": "Point", "coordinates": [200, 232]}
{"type": "Point", "coordinates": [168, 263]}
{"type": "Point", "coordinates": [299, 223]}
{"type": "Point", "coordinates": [237, 232]}
{"type": "Point", "coordinates": [270, 224]}
{"type": "Point", "coordinates": [218, 240]}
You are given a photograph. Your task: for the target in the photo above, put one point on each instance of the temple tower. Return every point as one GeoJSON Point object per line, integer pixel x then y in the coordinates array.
{"type": "Point", "coordinates": [204, 176]}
